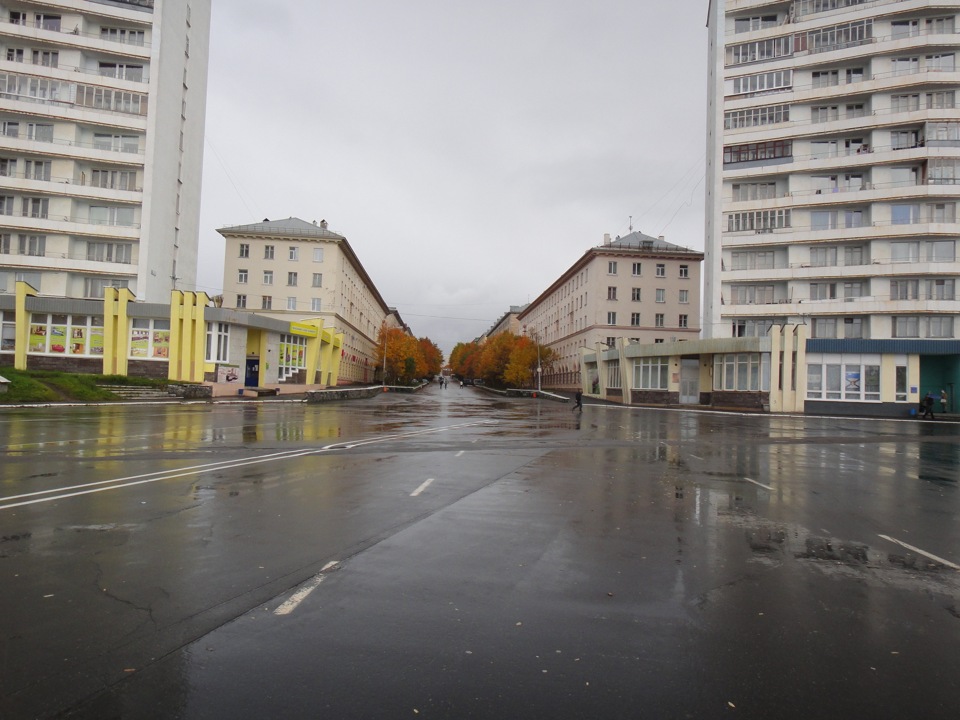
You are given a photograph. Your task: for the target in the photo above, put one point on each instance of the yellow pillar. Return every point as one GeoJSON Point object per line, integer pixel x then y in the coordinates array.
{"type": "Point", "coordinates": [175, 361]}
{"type": "Point", "coordinates": [337, 349]}
{"type": "Point", "coordinates": [265, 357]}
{"type": "Point", "coordinates": [776, 391]}
{"type": "Point", "coordinates": [314, 350]}
{"type": "Point", "coordinates": [22, 330]}
{"type": "Point", "coordinates": [116, 330]}
{"type": "Point", "coordinates": [199, 327]}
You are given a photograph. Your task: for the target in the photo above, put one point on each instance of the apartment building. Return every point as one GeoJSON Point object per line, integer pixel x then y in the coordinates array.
{"type": "Point", "coordinates": [102, 107]}
{"type": "Point", "coordinates": [833, 164]}
{"type": "Point", "coordinates": [638, 288]}
{"type": "Point", "coordinates": [292, 269]}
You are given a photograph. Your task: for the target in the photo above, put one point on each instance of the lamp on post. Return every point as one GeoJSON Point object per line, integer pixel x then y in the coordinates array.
{"type": "Point", "coordinates": [536, 339]}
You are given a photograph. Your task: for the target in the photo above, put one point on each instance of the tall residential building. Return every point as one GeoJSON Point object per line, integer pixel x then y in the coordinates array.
{"type": "Point", "coordinates": [292, 269]}
{"type": "Point", "coordinates": [102, 106]}
{"type": "Point", "coordinates": [833, 167]}
{"type": "Point", "coordinates": [636, 289]}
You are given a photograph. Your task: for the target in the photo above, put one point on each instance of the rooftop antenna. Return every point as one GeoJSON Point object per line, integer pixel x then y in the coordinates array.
{"type": "Point", "coordinates": [631, 223]}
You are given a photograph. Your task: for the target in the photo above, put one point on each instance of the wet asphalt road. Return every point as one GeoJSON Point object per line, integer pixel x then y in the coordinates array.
{"type": "Point", "coordinates": [454, 555]}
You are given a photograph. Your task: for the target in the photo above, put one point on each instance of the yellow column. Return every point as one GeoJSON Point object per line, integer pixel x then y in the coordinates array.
{"type": "Point", "coordinates": [776, 392]}
{"type": "Point", "coordinates": [335, 360]}
{"type": "Point", "coordinates": [314, 350]}
{"type": "Point", "coordinates": [265, 358]}
{"type": "Point", "coordinates": [199, 328]}
{"type": "Point", "coordinates": [116, 332]}
{"type": "Point", "coordinates": [22, 331]}
{"type": "Point", "coordinates": [175, 361]}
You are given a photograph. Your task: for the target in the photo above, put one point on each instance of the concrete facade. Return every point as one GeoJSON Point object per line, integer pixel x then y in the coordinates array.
{"type": "Point", "coordinates": [102, 113]}
{"type": "Point", "coordinates": [292, 269]}
{"type": "Point", "coordinates": [833, 152]}
{"type": "Point", "coordinates": [635, 289]}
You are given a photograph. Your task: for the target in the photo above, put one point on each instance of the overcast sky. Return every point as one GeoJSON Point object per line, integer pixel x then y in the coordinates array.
{"type": "Point", "coordinates": [470, 152]}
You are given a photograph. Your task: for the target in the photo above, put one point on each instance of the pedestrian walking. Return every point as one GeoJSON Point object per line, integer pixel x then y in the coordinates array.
{"type": "Point", "coordinates": [928, 407]}
{"type": "Point", "coordinates": [578, 401]}
{"type": "Point", "coordinates": [943, 401]}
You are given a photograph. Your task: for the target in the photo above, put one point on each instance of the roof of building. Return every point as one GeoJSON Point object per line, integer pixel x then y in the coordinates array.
{"type": "Point", "coordinates": [289, 227]}
{"type": "Point", "coordinates": [639, 241]}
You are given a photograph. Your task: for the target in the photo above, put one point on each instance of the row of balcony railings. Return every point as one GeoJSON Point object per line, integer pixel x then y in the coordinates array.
{"type": "Point", "coordinates": [53, 23]}
{"type": "Point", "coordinates": [734, 302]}
{"type": "Point", "coordinates": [86, 97]}
{"type": "Point", "coordinates": [833, 113]}
{"type": "Point", "coordinates": [838, 267]}
{"type": "Point", "coordinates": [858, 187]}
{"type": "Point", "coordinates": [821, 155]}
{"type": "Point", "coordinates": [112, 221]}
{"type": "Point", "coordinates": [804, 8]}
{"type": "Point", "coordinates": [122, 258]}
{"type": "Point", "coordinates": [120, 144]}
{"type": "Point", "coordinates": [800, 46]}
{"type": "Point", "coordinates": [858, 224]}
{"type": "Point", "coordinates": [130, 74]}
{"type": "Point", "coordinates": [790, 86]}
{"type": "Point", "coordinates": [81, 180]}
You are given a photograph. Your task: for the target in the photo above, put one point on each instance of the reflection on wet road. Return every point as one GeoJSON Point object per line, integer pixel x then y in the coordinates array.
{"type": "Point", "coordinates": [480, 557]}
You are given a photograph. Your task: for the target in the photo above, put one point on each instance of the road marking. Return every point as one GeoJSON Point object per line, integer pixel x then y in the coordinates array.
{"type": "Point", "coordinates": [696, 456]}
{"type": "Point", "coordinates": [300, 595]}
{"type": "Point", "coordinates": [423, 486]}
{"type": "Point", "coordinates": [921, 552]}
{"type": "Point", "coordinates": [765, 487]}
{"type": "Point", "coordinates": [146, 478]}
{"type": "Point", "coordinates": [459, 453]}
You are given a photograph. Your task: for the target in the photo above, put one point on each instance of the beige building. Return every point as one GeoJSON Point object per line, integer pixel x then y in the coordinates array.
{"type": "Point", "coordinates": [638, 288]}
{"type": "Point", "coordinates": [293, 269]}
{"type": "Point", "coordinates": [508, 323]}
{"type": "Point", "coordinates": [102, 111]}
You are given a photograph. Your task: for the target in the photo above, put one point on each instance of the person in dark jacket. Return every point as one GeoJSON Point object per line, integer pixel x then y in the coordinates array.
{"type": "Point", "coordinates": [578, 401]}
{"type": "Point", "coordinates": [928, 407]}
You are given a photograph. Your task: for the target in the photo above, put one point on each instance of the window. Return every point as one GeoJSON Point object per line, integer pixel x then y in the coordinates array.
{"type": "Point", "coordinates": [58, 334]}
{"type": "Point", "coordinates": [122, 35]}
{"type": "Point", "coordinates": [294, 253]}
{"type": "Point", "coordinates": [848, 377]}
{"type": "Point", "coordinates": [823, 291]}
{"type": "Point", "coordinates": [116, 216]}
{"type": "Point", "coordinates": [266, 303]}
{"type": "Point", "coordinates": [905, 65]}
{"type": "Point", "coordinates": [291, 303]}
{"type": "Point", "coordinates": [853, 255]}
{"type": "Point", "coordinates": [941, 63]}
{"type": "Point", "coordinates": [824, 327]}
{"type": "Point", "coordinates": [635, 294]}
{"type": "Point", "coordinates": [941, 289]}
{"type": "Point", "coordinates": [685, 271]}
{"type": "Point", "coordinates": [36, 170]}
{"type": "Point", "coordinates": [906, 326]}
{"type": "Point", "coordinates": [116, 143]}
{"type": "Point", "coordinates": [823, 257]}
{"type": "Point", "coordinates": [940, 212]}
{"type": "Point", "coordinates": [904, 289]}
{"type": "Point", "coordinates": [611, 318]}
{"type": "Point", "coordinates": [244, 250]}
{"type": "Point", "coordinates": [661, 295]}
{"type": "Point", "coordinates": [318, 254]}
{"type": "Point", "coordinates": [315, 305]}
{"type": "Point", "coordinates": [6, 205]}
{"type": "Point", "coordinates": [776, 80]}
{"type": "Point", "coordinates": [242, 277]}
{"type": "Point", "coordinates": [754, 191]}
{"type": "Point", "coordinates": [94, 287]}
{"type": "Point", "coordinates": [612, 268]}
{"type": "Point", "coordinates": [853, 328]}
{"type": "Point", "coordinates": [760, 221]}
{"type": "Point", "coordinates": [291, 279]}
{"type": "Point", "coordinates": [758, 151]}
{"type": "Point", "coordinates": [268, 277]}
{"type": "Point", "coordinates": [683, 321]}
{"type": "Point", "coordinates": [684, 297]}
{"type": "Point", "coordinates": [150, 339]}
{"type": "Point", "coordinates": [109, 252]}
{"type": "Point", "coordinates": [611, 293]}
{"type": "Point", "coordinates": [293, 355]}
{"type": "Point", "coordinates": [904, 103]}
{"type": "Point", "coordinates": [218, 342]}
{"type": "Point", "coordinates": [317, 280]}
{"type": "Point", "coordinates": [39, 207]}
{"type": "Point", "coordinates": [34, 245]}
{"type": "Point", "coordinates": [268, 252]}
{"type": "Point", "coordinates": [241, 301]}
{"type": "Point", "coordinates": [751, 294]}
{"type": "Point", "coordinates": [824, 113]}
{"type": "Point", "coordinates": [635, 319]}
{"type": "Point", "coordinates": [901, 252]}
{"type": "Point", "coordinates": [943, 99]}
{"type": "Point", "coordinates": [637, 269]}
{"type": "Point", "coordinates": [852, 289]}
{"type": "Point", "coordinates": [940, 327]}
{"type": "Point", "coordinates": [651, 373]}
{"type": "Point", "coordinates": [659, 320]}
{"type": "Point", "coordinates": [756, 117]}
{"type": "Point", "coordinates": [741, 371]}
{"type": "Point", "coordinates": [901, 382]}
{"type": "Point", "coordinates": [47, 21]}
{"type": "Point", "coordinates": [613, 374]}
{"type": "Point", "coordinates": [611, 341]}
{"type": "Point", "coordinates": [825, 78]}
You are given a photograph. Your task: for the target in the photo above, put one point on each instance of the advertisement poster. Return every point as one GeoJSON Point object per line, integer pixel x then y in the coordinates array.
{"type": "Point", "coordinates": [161, 344]}
{"type": "Point", "coordinates": [38, 338]}
{"type": "Point", "coordinates": [853, 381]}
{"type": "Point", "coordinates": [228, 374]}
{"type": "Point", "coordinates": [96, 341]}
{"type": "Point", "coordinates": [78, 345]}
{"type": "Point", "coordinates": [58, 339]}
{"type": "Point", "coordinates": [139, 342]}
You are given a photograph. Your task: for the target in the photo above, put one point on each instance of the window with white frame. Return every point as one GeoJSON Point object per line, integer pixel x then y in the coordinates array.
{"type": "Point", "coordinates": [294, 253]}
{"type": "Point", "coordinates": [661, 295]}
{"type": "Point", "coordinates": [940, 326]}
{"type": "Point", "coordinates": [241, 301]}
{"type": "Point", "coordinates": [291, 279]}
{"type": "Point", "coordinates": [317, 280]}
{"type": "Point", "coordinates": [315, 304]}
{"type": "Point", "coordinates": [291, 303]}
{"type": "Point", "coordinates": [659, 319]}
{"type": "Point", "coordinates": [635, 319]}
{"type": "Point", "coordinates": [150, 338]}
{"type": "Point", "coordinates": [905, 252]}
{"type": "Point", "coordinates": [685, 271]}
{"type": "Point", "coordinates": [268, 277]}
{"type": "Point", "coordinates": [906, 326]}
{"type": "Point", "coordinates": [904, 289]}
{"type": "Point", "coordinates": [52, 334]}
{"type": "Point", "coordinates": [848, 377]}
{"type": "Point", "coordinates": [637, 269]}
{"type": "Point", "coordinates": [94, 287]}
{"type": "Point", "coordinates": [683, 321]}
{"type": "Point", "coordinates": [318, 254]}
{"type": "Point", "coordinates": [218, 342]}
{"type": "Point", "coordinates": [611, 318]}
{"type": "Point", "coordinates": [661, 270]}
{"type": "Point", "coordinates": [244, 250]}
{"type": "Point", "coordinates": [266, 303]}
{"type": "Point", "coordinates": [612, 267]}
{"type": "Point", "coordinates": [824, 327]}
{"type": "Point", "coordinates": [613, 374]}
{"type": "Point", "coordinates": [293, 355]}
{"type": "Point", "coordinates": [636, 294]}
{"type": "Point", "coordinates": [651, 373]}
{"type": "Point", "coordinates": [242, 276]}
{"type": "Point", "coordinates": [941, 251]}
{"type": "Point", "coordinates": [853, 328]}
{"type": "Point", "coordinates": [941, 289]}
{"type": "Point", "coordinates": [8, 331]}
{"type": "Point", "coordinates": [268, 251]}
{"type": "Point", "coordinates": [684, 297]}
{"type": "Point", "coordinates": [611, 293]}
{"type": "Point", "coordinates": [741, 371]}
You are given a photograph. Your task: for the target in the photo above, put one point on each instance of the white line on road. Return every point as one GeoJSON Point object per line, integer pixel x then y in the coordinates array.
{"type": "Point", "coordinates": [765, 487]}
{"type": "Point", "coordinates": [696, 456]}
{"type": "Point", "coordinates": [423, 486]}
{"type": "Point", "coordinates": [922, 552]}
{"type": "Point", "coordinates": [459, 453]}
{"type": "Point", "coordinates": [300, 595]}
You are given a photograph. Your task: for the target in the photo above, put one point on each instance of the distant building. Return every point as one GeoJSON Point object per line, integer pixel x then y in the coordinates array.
{"type": "Point", "coordinates": [639, 288]}
{"type": "Point", "coordinates": [292, 269]}
{"type": "Point", "coordinates": [102, 112]}
{"type": "Point", "coordinates": [508, 323]}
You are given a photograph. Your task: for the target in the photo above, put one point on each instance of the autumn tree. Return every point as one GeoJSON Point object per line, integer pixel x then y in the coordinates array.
{"type": "Point", "coordinates": [402, 354]}
{"type": "Point", "coordinates": [464, 358]}
{"type": "Point", "coordinates": [432, 355]}
{"type": "Point", "coordinates": [495, 356]}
